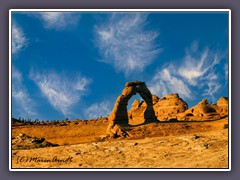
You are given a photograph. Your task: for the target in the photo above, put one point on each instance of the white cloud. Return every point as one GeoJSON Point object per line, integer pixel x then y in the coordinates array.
{"type": "Point", "coordinates": [198, 65]}
{"type": "Point", "coordinates": [166, 81]}
{"type": "Point", "coordinates": [204, 62]}
{"type": "Point", "coordinates": [22, 103]}
{"type": "Point", "coordinates": [213, 88]}
{"type": "Point", "coordinates": [61, 91]}
{"type": "Point", "coordinates": [59, 20]}
{"type": "Point", "coordinates": [98, 109]}
{"type": "Point", "coordinates": [226, 71]}
{"type": "Point", "coordinates": [125, 43]}
{"type": "Point", "coordinates": [18, 39]}
{"type": "Point", "coordinates": [197, 73]}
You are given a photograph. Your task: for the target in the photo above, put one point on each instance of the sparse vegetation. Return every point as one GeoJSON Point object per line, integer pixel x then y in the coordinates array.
{"type": "Point", "coordinates": [23, 141]}
{"type": "Point", "coordinates": [65, 144]}
{"type": "Point", "coordinates": [225, 126]}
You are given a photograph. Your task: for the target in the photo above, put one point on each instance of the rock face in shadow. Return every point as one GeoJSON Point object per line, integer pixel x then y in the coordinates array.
{"type": "Point", "coordinates": [119, 114]}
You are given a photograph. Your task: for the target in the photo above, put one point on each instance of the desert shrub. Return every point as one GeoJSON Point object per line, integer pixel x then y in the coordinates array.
{"type": "Point", "coordinates": [22, 147]}
{"type": "Point", "coordinates": [38, 145]}
{"type": "Point", "coordinates": [33, 147]}
{"type": "Point", "coordinates": [44, 143]}
{"type": "Point", "coordinates": [225, 126]}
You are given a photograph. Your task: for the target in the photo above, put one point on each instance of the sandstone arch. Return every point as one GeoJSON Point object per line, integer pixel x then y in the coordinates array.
{"type": "Point", "coordinates": [119, 114]}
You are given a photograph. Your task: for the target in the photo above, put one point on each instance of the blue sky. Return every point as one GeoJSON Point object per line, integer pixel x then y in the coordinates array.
{"type": "Point", "coordinates": [77, 63]}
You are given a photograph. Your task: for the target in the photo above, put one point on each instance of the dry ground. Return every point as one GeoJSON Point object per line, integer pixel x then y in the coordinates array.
{"type": "Point", "coordinates": [155, 145]}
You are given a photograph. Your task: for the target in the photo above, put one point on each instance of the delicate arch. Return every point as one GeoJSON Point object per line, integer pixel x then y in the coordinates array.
{"type": "Point", "coordinates": [119, 114]}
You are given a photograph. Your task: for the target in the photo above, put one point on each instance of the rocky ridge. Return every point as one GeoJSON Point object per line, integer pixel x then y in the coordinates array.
{"type": "Point", "coordinates": [172, 107]}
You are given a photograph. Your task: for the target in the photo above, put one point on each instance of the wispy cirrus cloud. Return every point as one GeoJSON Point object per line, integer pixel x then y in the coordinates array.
{"type": "Point", "coordinates": [59, 20]}
{"type": "Point", "coordinates": [166, 81]}
{"type": "Point", "coordinates": [98, 109]}
{"type": "Point", "coordinates": [212, 89]}
{"type": "Point", "coordinates": [197, 71]}
{"type": "Point", "coordinates": [199, 65]}
{"type": "Point", "coordinates": [204, 63]}
{"type": "Point", "coordinates": [61, 91]}
{"type": "Point", "coordinates": [125, 42]}
{"type": "Point", "coordinates": [226, 71]}
{"type": "Point", "coordinates": [22, 103]}
{"type": "Point", "coordinates": [19, 40]}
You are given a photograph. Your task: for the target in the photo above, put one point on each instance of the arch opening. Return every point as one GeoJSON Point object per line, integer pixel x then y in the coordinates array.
{"type": "Point", "coordinates": [133, 101]}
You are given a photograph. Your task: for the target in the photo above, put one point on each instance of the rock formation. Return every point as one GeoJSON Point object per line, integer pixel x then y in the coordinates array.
{"type": "Point", "coordinates": [222, 106]}
{"type": "Point", "coordinates": [119, 115]}
{"type": "Point", "coordinates": [154, 109]}
{"type": "Point", "coordinates": [165, 108]}
{"type": "Point", "coordinates": [169, 106]}
{"type": "Point", "coordinates": [172, 107]}
{"type": "Point", "coordinates": [136, 113]}
{"type": "Point", "coordinates": [202, 111]}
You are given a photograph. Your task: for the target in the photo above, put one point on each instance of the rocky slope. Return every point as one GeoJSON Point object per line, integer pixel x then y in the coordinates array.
{"type": "Point", "coordinates": [197, 150]}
